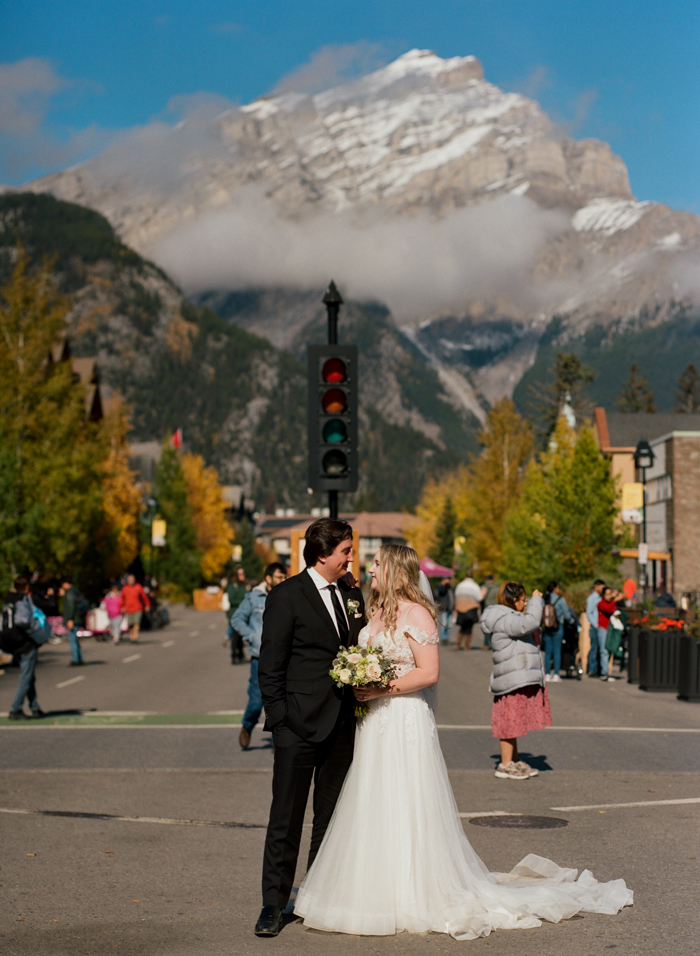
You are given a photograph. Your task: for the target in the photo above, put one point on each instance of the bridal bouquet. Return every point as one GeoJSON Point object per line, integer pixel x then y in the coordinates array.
{"type": "Point", "coordinates": [361, 667]}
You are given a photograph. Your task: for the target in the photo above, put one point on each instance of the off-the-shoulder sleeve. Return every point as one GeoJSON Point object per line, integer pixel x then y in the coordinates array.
{"type": "Point", "coordinates": [419, 635]}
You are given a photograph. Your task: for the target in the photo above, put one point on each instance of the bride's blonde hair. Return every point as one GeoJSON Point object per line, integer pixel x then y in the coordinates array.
{"type": "Point", "coordinates": [399, 573]}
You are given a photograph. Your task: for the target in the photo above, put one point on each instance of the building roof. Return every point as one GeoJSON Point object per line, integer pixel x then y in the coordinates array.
{"type": "Point", "coordinates": [369, 524]}
{"type": "Point", "coordinates": [620, 431]}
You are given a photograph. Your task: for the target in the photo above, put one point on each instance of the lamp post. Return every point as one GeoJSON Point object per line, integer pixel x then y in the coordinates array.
{"type": "Point", "coordinates": [643, 459]}
{"type": "Point", "coordinates": [332, 301]}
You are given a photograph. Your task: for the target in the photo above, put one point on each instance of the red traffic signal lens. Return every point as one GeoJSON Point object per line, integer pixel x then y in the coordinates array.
{"type": "Point", "coordinates": [334, 370]}
{"type": "Point", "coordinates": [335, 463]}
{"type": "Point", "coordinates": [334, 401]}
{"type": "Point", "coordinates": [335, 431]}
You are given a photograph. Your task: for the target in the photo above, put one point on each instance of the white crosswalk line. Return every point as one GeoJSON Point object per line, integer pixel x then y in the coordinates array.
{"type": "Point", "coordinates": [167, 643]}
{"type": "Point", "coordinates": [73, 680]}
{"type": "Point", "coordinates": [639, 803]}
{"type": "Point", "coordinates": [132, 657]}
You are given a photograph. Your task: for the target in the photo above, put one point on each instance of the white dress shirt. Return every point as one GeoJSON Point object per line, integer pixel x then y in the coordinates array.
{"type": "Point", "coordinates": [324, 591]}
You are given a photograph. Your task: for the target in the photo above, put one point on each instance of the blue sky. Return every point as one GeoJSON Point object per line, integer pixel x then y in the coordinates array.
{"type": "Point", "coordinates": [626, 71]}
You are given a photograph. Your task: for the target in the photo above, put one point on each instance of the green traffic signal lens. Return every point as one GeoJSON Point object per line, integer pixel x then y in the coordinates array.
{"type": "Point", "coordinates": [334, 401]}
{"type": "Point", "coordinates": [335, 431]}
{"type": "Point", "coordinates": [334, 463]}
{"type": "Point", "coordinates": [334, 370]}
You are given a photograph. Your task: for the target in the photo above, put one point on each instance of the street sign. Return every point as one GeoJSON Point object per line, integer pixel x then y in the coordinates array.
{"type": "Point", "coordinates": [632, 515]}
{"type": "Point", "coordinates": [632, 496]}
{"type": "Point", "coordinates": [642, 553]}
{"type": "Point", "coordinates": [158, 533]}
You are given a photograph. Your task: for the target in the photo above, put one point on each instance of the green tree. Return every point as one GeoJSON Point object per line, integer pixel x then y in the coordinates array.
{"type": "Point", "coordinates": [51, 459]}
{"type": "Point", "coordinates": [180, 560]}
{"type": "Point", "coordinates": [443, 551]}
{"type": "Point", "coordinates": [569, 378]}
{"type": "Point", "coordinates": [563, 527]}
{"type": "Point", "coordinates": [688, 391]}
{"type": "Point", "coordinates": [636, 396]}
{"type": "Point", "coordinates": [252, 562]}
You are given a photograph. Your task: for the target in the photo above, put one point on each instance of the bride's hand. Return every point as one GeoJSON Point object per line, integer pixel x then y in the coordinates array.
{"type": "Point", "coordinates": [369, 693]}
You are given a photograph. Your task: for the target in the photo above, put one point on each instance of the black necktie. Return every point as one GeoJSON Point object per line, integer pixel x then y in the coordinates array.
{"type": "Point", "coordinates": [343, 629]}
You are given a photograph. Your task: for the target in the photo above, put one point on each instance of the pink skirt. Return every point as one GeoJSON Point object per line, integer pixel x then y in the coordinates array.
{"type": "Point", "coordinates": [526, 708]}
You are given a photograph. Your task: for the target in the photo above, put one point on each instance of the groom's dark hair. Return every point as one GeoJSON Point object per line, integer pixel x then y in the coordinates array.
{"type": "Point", "coordinates": [323, 537]}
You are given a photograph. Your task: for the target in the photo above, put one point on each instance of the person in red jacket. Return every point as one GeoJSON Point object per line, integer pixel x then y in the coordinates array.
{"type": "Point", "coordinates": [606, 608]}
{"type": "Point", "coordinates": [134, 602]}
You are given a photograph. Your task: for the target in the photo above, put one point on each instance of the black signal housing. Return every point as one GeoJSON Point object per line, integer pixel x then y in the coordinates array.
{"type": "Point", "coordinates": [333, 404]}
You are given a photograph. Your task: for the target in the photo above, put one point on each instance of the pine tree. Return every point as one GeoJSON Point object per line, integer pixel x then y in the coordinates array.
{"type": "Point", "coordinates": [636, 396]}
{"type": "Point", "coordinates": [570, 378]}
{"type": "Point", "coordinates": [179, 562]}
{"type": "Point", "coordinates": [688, 391]}
{"type": "Point", "coordinates": [443, 550]}
{"type": "Point", "coordinates": [252, 562]}
{"type": "Point", "coordinates": [563, 527]}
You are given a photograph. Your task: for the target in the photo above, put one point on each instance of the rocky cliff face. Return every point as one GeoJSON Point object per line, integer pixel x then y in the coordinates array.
{"type": "Point", "coordinates": [421, 137]}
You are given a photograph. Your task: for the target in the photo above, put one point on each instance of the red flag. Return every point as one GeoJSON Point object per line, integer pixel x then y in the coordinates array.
{"type": "Point", "coordinates": [176, 440]}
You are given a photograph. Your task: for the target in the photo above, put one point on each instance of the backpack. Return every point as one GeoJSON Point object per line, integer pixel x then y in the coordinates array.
{"type": "Point", "coordinates": [549, 617]}
{"type": "Point", "coordinates": [31, 620]}
{"type": "Point", "coordinates": [13, 640]}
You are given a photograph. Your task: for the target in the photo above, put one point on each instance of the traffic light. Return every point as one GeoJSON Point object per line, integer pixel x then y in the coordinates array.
{"type": "Point", "coordinates": [333, 382]}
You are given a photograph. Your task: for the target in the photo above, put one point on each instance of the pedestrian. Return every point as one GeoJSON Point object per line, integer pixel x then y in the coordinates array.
{"type": "Point", "coordinates": [235, 593]}
{"type": "Point", "coordinates": [74, 611]}
{"type": "Point", "coordinates": [606, 608]}
{"type": "Point", "coordinates": [468, 597]}
{"type": "Point", "coordinates": [18, 640]}
{"type": "Point", "coordinates": [520, 701]}
{"type": "Point", "coordinates": [596, 653]}
{"type": "Point", "coordinates": [248, 622]}
{"type": "Point", "coordinates": [134, 601]}
{"type": "Point", "coordinates": [490, 591]}
{"type": "Point", "coordinates": [113, 607]}
{"type": "Point", "coordinates": [445, 601]}
{"type": "Point", "coordinates": [556, 614]}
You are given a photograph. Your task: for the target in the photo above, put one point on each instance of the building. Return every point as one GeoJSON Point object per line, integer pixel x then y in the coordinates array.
{"type": "Point", "coordinates": [84, 370]}
{"type": "Point", "coordinates": [672, 491]}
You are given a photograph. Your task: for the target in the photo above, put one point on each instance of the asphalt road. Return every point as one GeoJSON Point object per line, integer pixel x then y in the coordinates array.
{"type": "Point", "coordinates": [146, 839]}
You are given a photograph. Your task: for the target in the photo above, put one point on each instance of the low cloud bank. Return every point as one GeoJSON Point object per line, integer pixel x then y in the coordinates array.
{"type": "Point", "coordinates": [417, 265]}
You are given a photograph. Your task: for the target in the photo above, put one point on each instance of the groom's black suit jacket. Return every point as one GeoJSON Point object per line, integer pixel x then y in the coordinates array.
{"type": "Point", "coordinates": [299, 643]}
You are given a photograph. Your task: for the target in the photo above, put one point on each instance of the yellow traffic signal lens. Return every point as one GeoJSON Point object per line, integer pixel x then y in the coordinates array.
{"type": "Point", "coordinates": [335, 463]}
{"type": "Point", "coordinates": [334, 401]}
{"type": "Point", "coordinates": [335, 431]}
{"type": "Point", "coordinates": [334, 370]}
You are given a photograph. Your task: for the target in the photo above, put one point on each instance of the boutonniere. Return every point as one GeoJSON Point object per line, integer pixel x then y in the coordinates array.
{"type": "Point", "coordinates": [353, 607]}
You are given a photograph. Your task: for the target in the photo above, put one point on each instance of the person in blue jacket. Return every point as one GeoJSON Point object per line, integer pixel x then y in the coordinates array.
{"type": "Point", "coordinates": [552, 637]}
{"type": "Point", "coordinates": [248, 621]}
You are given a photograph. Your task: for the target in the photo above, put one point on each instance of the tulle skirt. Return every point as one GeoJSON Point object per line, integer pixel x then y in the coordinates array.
{"type": "Point", "coordinates": [395, 856]}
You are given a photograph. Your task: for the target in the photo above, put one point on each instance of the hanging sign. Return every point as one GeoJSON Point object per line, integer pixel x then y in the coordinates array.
{"type": "Point", "coordinates": [158, 533]}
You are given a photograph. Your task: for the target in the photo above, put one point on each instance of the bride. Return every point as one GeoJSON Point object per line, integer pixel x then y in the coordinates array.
{"type": "Point", "coordinates": [395, 856]}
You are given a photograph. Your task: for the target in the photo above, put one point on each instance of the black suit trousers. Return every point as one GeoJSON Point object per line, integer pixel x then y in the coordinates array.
{"type": "Point", "coordinates": [296, 763]}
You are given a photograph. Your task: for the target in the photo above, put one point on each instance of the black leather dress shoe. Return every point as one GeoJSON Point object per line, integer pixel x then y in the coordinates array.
{"type": "Point", "coordinates": [269, 922]}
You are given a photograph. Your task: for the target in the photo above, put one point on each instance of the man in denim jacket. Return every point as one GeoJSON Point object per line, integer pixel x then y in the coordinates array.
{"type": "Point", "coordinates": [248, 621]}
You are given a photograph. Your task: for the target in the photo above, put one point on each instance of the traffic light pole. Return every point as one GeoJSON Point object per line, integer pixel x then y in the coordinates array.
{"type": "Point", "coordinates": [333, 301]}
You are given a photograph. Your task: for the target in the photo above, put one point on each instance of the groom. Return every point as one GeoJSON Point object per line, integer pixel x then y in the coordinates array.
{"type": "Point", "coordinates": [307, 618]}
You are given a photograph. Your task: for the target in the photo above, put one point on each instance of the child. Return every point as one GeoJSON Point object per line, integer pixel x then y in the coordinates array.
{"type": "Point", "coordinates": [113, 607]}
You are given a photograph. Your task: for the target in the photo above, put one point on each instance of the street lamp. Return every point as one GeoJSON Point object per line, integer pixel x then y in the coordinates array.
{"type": "Point", "coordinates": [643, 459]}
{"type": "Point", "coordinates": [332, 301]}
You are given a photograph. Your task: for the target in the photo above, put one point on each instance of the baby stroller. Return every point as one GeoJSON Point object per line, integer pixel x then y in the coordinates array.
{"type": "Point", "coordinates": [569, 652]}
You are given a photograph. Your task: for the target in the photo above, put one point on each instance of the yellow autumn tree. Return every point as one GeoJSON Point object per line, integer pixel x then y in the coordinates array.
{"type": "Point", "coordinates": [206, 498]}
{"type": "Point", "coordinates": [454, 486]}
{"type": "Point", "coordinates": [121, 496]}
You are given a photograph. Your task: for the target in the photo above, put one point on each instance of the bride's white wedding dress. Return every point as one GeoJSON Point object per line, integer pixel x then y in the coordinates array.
{"type": "Point", "coordinates": [395, 856]}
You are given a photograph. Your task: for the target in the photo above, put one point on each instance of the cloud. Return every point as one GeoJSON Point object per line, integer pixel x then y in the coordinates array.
{"type": "Point", "coordinates": [331, 65]}
{"type": "Point", "coordinates": [534, 83]}
{"type": "Point", "coordinates": [418, 266]}
{"type": "Point", "coordinates": [28, 90]}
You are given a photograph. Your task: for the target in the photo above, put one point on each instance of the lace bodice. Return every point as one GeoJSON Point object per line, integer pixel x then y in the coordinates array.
{"type": "Point", "coordinates": [396, 646]}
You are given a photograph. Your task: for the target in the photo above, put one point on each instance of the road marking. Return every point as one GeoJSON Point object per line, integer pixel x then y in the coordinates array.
{"type": "Point", "coordinates": [488, 813]}
{"type": "Point", "coordinates": [132, 657]}
{"type": "Point", "coordinates": [640, 803]}
{"type": "Point", "coordinates": [167, 643]}
{"type": "Point", "coordinates": [194, 633]}
{"type": "Point", "coordinates": [642, 730]}
{"type": "Point", "coordinates": [73, 680]}
{"type": "Point", "coordinates": [163, 821]}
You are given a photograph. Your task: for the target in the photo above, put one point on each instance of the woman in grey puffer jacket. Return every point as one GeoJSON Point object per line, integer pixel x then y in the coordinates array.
{"type": "Point", "coordinates": [520, 700]}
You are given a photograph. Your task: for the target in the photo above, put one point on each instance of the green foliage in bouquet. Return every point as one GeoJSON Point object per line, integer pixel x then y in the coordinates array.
{"type": "Point", "coordinates": [362, 667]}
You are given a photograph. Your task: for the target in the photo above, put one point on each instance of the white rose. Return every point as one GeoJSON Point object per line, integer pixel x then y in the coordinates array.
{"type": "Point", "coordinates": [354, 658]}
{"type": "Point", "coordinates": [345, 675]}
{"type": "Point", "coordinates": [372, 659]}
{"type": "Point", "coordinates": [374, 671]}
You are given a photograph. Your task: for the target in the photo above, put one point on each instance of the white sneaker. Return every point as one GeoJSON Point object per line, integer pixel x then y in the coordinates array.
{"type": "Point", "coordinates": [547, 677]}
{"type": "Point", "coordinates": [511, 771]}
{"type": "Point", "coordinates": [556, 679]}
{"type": "Point", "coordinates": [526, 768]}
{"type": "Point", "coordinates": [610, 680]}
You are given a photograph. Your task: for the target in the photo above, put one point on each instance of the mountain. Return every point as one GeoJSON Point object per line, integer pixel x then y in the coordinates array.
{"type": "Point", "coordinates": [240, 401]}
{"type": "Point", "coordinates": [461, 207]}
